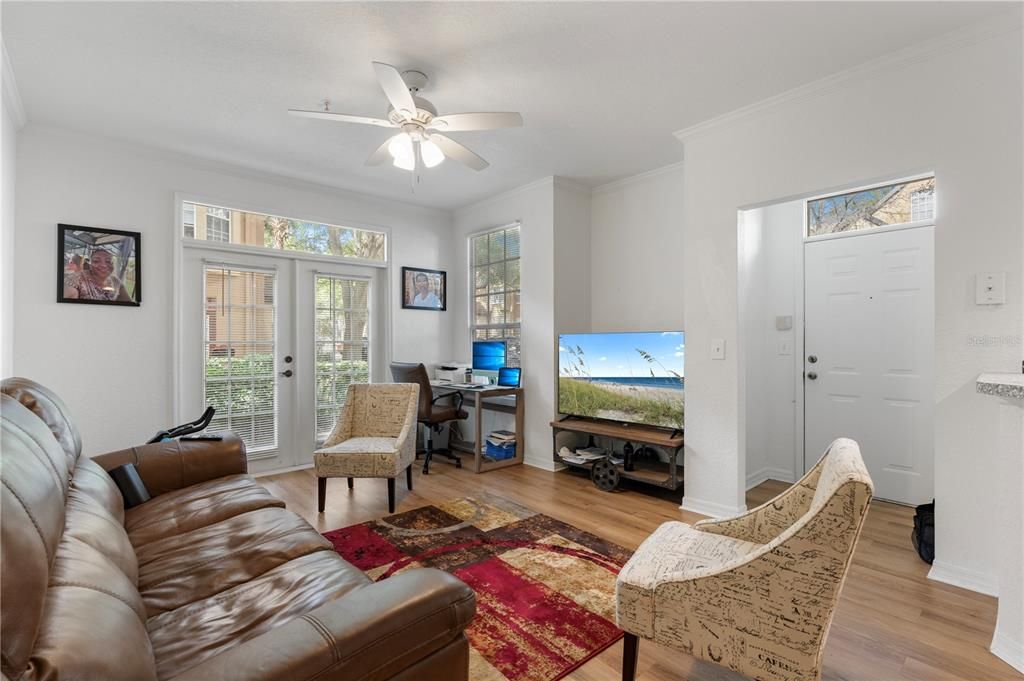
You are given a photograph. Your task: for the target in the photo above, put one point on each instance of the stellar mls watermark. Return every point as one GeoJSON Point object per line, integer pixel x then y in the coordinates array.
{"type": "Point", "coordinates": [995, 341]}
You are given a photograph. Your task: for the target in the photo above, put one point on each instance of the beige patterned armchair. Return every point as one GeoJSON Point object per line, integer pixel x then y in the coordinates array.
{"type": "Point", "coordinates": [375, 437]}
{"type": "Point", "coordinates": [755, 593]}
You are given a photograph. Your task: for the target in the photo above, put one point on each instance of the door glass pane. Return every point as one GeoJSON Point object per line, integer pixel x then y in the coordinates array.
{"type": "Point", "coordinates": [239, 333]}
{"type": "Point", "coordinates": [342, 320]}
{"type": "Point", "coordinates": [892, 204]}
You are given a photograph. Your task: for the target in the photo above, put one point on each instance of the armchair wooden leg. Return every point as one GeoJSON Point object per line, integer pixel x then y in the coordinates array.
{"type": "Point", "coordinates": [351, 483]}
{"type": "Point", "coordinates": [408, 477]}
{"type": "Point", "coordinates": [630, 645]}
{"type": "Point", "coordinates": [391, 495]}
{"type": "Point", "coordinates": [321, 493]}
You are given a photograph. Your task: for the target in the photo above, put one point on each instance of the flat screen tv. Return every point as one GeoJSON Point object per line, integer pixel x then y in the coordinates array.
{"type": "Point", "coordinates": [626, 377]}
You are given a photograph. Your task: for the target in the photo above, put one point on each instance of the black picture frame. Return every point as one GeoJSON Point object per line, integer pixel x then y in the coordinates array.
{"type": "Point", "coordinates": [76, 248]}
{"type": "Point", "coordinates": [438, 287]}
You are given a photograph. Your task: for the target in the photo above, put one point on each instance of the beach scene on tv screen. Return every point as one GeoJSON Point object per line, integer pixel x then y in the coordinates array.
{"type": "Point", "coordinates": [627, 377]}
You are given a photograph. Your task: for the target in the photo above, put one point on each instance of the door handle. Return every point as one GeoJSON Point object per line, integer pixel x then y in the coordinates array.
{"type": "Point", "coordinates": [812, 375]}
{"type": "Point", "coordinates": [812, 358]}
{"type": "Point", "coordinates": [287, 373]}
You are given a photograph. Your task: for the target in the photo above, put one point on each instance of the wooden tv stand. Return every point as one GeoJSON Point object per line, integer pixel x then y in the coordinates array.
{"type": "Point", "coordinates": [661, 474]}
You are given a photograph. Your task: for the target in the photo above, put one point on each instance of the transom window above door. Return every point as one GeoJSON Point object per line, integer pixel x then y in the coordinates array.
{"type": "Point", "coordinates": [888, 205]}
{"type": "Point", "coordinates": [228, 225]}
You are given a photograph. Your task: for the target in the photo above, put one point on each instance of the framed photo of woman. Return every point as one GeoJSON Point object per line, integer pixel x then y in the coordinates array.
{"type": "Point", "coordinates": [424, 289]}
{"type": "Point", "coordinates": [98, 266]}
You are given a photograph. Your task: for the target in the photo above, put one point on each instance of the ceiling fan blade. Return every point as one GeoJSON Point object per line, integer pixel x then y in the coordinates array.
{"type": "Point", "coordinates": [381, 155]}
{"type": "Point", "coordinates": [395, 88]}
{"type": "Point", "coordinates": [342, 118]}
{"type": "Point", "coordinates": [462, 122]}
{"type": "Point", "coordinates": [457, 152]}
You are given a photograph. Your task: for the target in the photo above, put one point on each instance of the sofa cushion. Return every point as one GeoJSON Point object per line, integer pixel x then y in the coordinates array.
{"type": "Point", "coordinates": [93, 624]}
{"type": "Point", "coordinates": [196, 506]}
{"type": "Point", "coordinates": [49, 408]}
{"type": "Point", "coordinates": [189, 567]}
{"type": "Point", "coordinates": [34, 487]}
{"type": "Point", "coordinates": [187, 636]}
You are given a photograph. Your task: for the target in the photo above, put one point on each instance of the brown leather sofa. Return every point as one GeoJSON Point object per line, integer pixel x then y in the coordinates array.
{"type": "Point", "coordinates": [210, 579]}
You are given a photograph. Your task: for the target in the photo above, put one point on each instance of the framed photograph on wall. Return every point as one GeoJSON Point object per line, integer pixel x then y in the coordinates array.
{"type": "Point", "coordinates": [98, 266]}
{"type": "Point", "coordinates": [424, 289]}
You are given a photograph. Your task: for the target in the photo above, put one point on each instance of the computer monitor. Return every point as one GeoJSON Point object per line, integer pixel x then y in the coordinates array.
{"type": "Point", "coordinates": [488, 355]}
{"type": "Point", "coordinates": [509, 377]}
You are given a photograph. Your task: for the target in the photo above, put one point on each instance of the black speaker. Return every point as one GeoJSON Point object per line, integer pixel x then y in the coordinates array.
{"type": "Point", "coordinates": [132, 488]}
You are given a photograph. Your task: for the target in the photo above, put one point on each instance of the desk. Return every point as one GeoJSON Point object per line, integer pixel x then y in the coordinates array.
{"type": "Point", "coordinates": [477, 398]}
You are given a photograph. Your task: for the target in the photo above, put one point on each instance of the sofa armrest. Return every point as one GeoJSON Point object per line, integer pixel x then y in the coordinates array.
{"type": "Point", "coordinates": [373, 633]}
{"type": "Point", "coordinates": [171, 465]}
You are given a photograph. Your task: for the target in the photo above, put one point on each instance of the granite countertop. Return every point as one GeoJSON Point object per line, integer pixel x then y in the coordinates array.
{"type": "Point", "coordinates": [1002, 385]}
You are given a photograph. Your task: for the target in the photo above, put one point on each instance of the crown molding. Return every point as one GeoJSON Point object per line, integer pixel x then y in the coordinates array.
{"type": "Point", "coordinates": [12, 98]}
{"type": "Point", "coordinates": [278, 178]}
{"type": "Point", "coordinates": [640, 177]}
{"type": "Point", "coordinates": [570, 185]}
{"type": "Point", "coordinates": [908, 56]}
{"type": "Point", "coordinates": [548, 181]}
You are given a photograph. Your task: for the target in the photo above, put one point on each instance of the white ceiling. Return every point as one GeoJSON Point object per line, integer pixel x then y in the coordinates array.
{"type": "Point", "coordinates": [602, 86]}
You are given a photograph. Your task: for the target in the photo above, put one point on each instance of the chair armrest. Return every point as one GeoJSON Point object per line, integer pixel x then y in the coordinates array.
{"type": "Point", "coordinates": [459, 400]}
{"type": "Point", "coordinates": [171, 465]}
{"type": "Point", "coordinates": [764, 523]}
{"type": "Point", "coordinates": [374, 632]}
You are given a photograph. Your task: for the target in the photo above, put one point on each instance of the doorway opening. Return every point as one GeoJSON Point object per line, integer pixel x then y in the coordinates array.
{"type": "Point", "coordinates": [837, 334]}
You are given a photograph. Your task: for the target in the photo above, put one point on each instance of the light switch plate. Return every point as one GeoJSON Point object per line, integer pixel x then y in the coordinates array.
{"type": "Point", "coordinates": [784, 322]}
{"type": "Point", "coordinates": [990, 288]}
{"type": "Point", "coordinates": [717, 348]}
{"type": "Point", "coordinates": [785, 347]}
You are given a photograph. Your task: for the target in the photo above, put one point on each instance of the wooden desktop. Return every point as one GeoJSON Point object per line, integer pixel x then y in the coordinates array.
{"type": "Point", "coordinates": [479, 402]}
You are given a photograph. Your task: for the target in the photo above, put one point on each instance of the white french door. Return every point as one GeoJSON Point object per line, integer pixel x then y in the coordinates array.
{"type": "Point", "coordinates": [869, 354]}
{"type": "Point", "coordinates": [272, 343]}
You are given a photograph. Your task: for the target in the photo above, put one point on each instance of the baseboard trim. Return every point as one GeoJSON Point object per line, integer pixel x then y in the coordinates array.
{"type": "Point", "coordinates": [965, 578]}
{"type": "Point", "coordinates": [544, 465]}
{"type": "Point", "coordinates": [711, 508]}
{"type": "Point", "coordinates": [765, 474]}
{"type": "Point", "coordinates": [1009, 651]}
{"type": "Point", "coordinates": [278, 471]}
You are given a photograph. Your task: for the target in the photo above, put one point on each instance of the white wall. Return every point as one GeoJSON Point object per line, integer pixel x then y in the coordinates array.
{"type": "Point", "coordinates": [13, 119]}
{"type": "Point", "coordinates": [636, 253]}
{"type": "Point", "coordinates": [8, 151]}
{"type": "Point", "coordinates": [533, 206]}
{"type": "Point", "coordinates": [770, 243]}
{"type": "Point", "coordinates": [953, 108]}
{"type": "Point", "coordinates": [113, 365]}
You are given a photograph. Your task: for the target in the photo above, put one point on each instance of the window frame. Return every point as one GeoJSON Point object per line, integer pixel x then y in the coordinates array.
{"type": "Point", "coordinates": [210, 217]}
{"type": "Point", "coordinates": [873, 230]}
{"type": "Point", "coordinates": [181, 198]}
{"type": "Point", "coordinates": [471, 288]}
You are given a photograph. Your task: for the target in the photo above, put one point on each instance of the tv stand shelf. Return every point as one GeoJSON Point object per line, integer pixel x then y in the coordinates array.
{"type": "Point", "coordinates": [660, 474]}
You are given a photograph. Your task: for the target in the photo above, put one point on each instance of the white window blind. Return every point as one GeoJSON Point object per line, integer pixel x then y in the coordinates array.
{"type": "Point", "coordinates": [342, 344]}
{"type": "Point", "coordinates": [239, 335]}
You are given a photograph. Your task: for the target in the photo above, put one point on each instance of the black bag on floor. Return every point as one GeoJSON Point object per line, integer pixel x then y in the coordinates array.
{"type": "Point", "coordinates": [923, 534]}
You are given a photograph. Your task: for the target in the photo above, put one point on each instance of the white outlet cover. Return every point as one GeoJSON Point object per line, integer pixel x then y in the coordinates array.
{"type": "Point", "coordinates": [717, 348]}
{"type": "Point", "coordinates": [990, 288]}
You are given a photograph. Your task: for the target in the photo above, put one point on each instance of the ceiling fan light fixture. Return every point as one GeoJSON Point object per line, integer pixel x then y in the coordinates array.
{"type": "Point", "coordinates": [402, 152]}
{"type": "Point", "coordinates": [431, 153]}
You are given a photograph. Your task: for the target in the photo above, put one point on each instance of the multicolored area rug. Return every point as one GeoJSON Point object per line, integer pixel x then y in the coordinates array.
{"type": "Point", "coordinates": [545, 590]}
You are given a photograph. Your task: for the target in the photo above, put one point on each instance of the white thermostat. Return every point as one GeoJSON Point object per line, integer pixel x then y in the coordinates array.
{"type": "Point", "coordinates": [991, 288]}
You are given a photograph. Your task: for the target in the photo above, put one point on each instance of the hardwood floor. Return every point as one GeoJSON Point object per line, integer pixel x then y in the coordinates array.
{"type": "Point", "coordinates": [892, 624]}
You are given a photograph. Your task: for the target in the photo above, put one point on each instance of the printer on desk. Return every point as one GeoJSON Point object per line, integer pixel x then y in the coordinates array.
{"type": "Point", "coordinates": [453, 372]}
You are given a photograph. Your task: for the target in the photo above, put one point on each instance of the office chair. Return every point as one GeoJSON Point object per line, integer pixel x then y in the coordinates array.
{"type": "Point", "coordinates": [431, 415]}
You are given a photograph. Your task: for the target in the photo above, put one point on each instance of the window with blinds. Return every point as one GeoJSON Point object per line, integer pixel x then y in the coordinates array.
{"type": "Point", "coordinates": [239, 333]}
{"type": "Point", "coordinates": [496, 313]}
{"type": "Point", "coordinates": [342, 326]}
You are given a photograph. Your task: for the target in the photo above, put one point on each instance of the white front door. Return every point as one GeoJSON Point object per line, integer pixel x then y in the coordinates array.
{"type": "Point", "coordinates": [869, 355]}
{"type": "Point", "coordinates": [272, 342]}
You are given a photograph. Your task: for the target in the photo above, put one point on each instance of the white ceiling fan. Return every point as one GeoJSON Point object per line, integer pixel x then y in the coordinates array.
{"type": "Point", "coordinates": [420, 142]}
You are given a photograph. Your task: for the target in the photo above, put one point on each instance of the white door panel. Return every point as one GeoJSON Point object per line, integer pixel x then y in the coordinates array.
{"type": "Point", "coordinates": [869, 322]}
